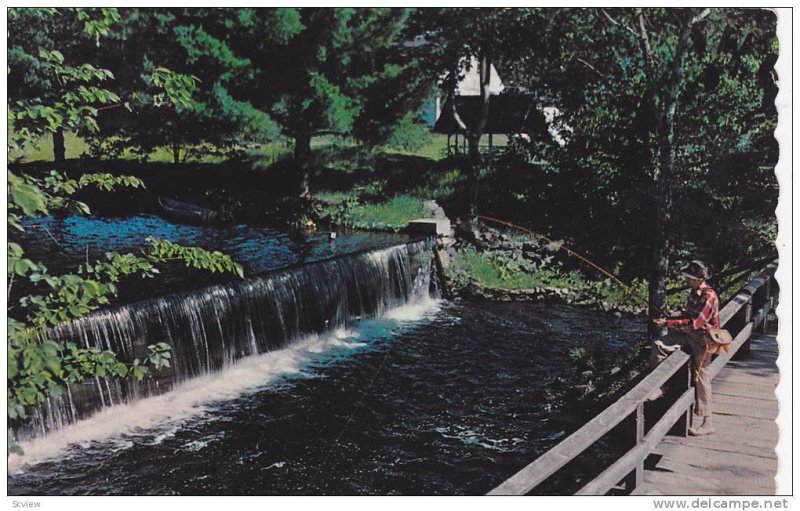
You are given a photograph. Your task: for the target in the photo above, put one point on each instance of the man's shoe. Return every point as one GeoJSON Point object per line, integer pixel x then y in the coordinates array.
{"type": "Point", "coordinates": [706, 428]}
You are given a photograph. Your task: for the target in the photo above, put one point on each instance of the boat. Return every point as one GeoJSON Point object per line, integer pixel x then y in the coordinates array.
{"type": "Point", "coordinates": [186, 211]}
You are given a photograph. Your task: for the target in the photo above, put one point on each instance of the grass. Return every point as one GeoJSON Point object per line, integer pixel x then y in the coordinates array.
{"type": "Point", "coordinates": [74, 147]}
{"type": "Point", "coordinates": [352, 185]}
{"type": "Point", "coordinates": [394, 214]}
{"type": "Point", "coordinates": [262, 156]}
{"type": "Point", "coordinates": [436, 147]}
{"type": "Point", "coordinates": [498, 271]}
{"type": "Point", "coordinates": [267, 155]}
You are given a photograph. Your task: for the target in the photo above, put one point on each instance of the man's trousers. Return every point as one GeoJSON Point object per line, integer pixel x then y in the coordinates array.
{"type": "Point", "coordinates": [696, 344]}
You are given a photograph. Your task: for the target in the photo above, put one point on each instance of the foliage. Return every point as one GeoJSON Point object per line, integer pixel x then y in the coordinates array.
{"type": "Point", "coordinates": [500, 270]}
{"type": "Point", "coordinates": [39, 366]}
{"type": "Point", "coordinates": [55, 97]}
{"type": "Point", "coordinates": [30, 196]}
{"type": "Point", "coordinates": [409, 136]}
{"type": "Point", "coordinates": [163, 98]}
{"type": "Point", "coordinates": [47, 93]}
{"type": "Point", "coordinates": [74, 147]}
{"type": "Point", "coordinates": [361, 73]}
{"type": "Point", "coordinates": [342, 71]}
{"type": "Point", "coordinates": [194, 257]}
{"type": "Point", "coordinates": [72, 107]}
{"type": "Point", "coordinates": [607, 113]}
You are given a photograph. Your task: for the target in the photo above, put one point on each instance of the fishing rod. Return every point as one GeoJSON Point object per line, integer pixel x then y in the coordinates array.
{"type": "Point", "coordinates": [560, 245]}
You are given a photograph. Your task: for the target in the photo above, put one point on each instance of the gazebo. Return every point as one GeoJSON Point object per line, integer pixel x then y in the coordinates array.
{"type": "Point", "coordinates": [509, 113]}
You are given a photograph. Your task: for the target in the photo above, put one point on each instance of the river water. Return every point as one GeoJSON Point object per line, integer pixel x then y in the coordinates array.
{"type": "Point", "coordinates": [63, 243]}
{"type": "Point", "coordinates": [432, 398]}
{"type": "Point", "coordinates": [340, 375]}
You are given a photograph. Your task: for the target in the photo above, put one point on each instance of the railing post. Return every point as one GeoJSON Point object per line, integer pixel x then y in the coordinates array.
{"type": "Point", "coordinates": [767, 296]}
{"type": "Point", "coordinates": [747, 316]}
{"type": "Point", "coordinates": [636, 476]}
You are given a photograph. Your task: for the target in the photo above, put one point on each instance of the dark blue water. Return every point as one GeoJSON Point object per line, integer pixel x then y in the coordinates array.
{"type": "Point", "coordinates": [63, 243]}
{"type": "Point", "coordinates": [448, 402]}
{"type": "Point", "coordinates": [65, 240]}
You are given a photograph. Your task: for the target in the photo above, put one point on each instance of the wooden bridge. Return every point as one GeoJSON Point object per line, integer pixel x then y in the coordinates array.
{"type": "Point", "coordinates": [663, 460]}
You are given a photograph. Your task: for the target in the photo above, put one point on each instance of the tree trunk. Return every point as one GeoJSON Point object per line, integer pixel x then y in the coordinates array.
{"type": "Point", "coordinates": [176, 152]}
{"type": "Point", "coordinates": [474, 138]}
{"type": "Point", "coordinates": [474, 179]}
{"type": "Point", "coordinates": [302, 155]}
{"type": "Point", "coordinates": [664, 181]}
{"type": "Point", "coordinates": [59, 148]}
{"type": "Point", "coordinates": [472, 134]}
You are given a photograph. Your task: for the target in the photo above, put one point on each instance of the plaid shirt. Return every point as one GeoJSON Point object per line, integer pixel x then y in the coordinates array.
{"type": "Point", "coordinates": [702, 311]}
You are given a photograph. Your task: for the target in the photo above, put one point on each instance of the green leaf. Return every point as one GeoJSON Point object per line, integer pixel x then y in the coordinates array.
{"type": "Point", "coordinates": [29, 198]}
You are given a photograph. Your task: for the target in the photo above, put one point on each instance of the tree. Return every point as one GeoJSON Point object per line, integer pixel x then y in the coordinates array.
{"type": "Point", "coordinates": [390, 81]}
{"type": "Point", "coordinates": [209, 120]}
{"type": "Point", "coordinates": [341, 71]}
{"type": "Point", "coordinates": [668, 131]}
{"type": "Point", "coordinates": [36, 69]}
{"type": "Point", "coordinates": [663, 84]}
{"type": "Point", "coordinates": [664, 55]}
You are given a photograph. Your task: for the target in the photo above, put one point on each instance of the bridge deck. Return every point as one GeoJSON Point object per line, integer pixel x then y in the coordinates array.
{"type": "Point", "coordinates": [739, 459]}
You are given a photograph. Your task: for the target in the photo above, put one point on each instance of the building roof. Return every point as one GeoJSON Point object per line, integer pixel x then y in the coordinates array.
{"type": "Point", "coordinates": [508, 114]}
{"type": "Point", "coordinates": [470, 83]}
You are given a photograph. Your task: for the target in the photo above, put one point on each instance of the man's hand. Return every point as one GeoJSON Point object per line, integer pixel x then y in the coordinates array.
{"type": "Point", "coordinates": [660, 322]}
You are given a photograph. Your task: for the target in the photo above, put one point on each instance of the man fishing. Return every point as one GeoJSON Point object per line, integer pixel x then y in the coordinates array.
{"type": "Point", "coordinates": [695, 329]}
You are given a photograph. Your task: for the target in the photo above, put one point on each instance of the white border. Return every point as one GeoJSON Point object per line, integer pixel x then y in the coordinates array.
{"type": "Point", "coordinates": [784, 242]}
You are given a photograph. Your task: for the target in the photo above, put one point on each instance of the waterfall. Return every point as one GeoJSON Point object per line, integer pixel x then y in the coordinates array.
{"type": "Point", "coordinates": [214, 327]}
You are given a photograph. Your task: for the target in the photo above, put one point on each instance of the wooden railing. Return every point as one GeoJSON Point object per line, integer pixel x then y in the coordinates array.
{"type": "Point", "coordinates": [737, 316]}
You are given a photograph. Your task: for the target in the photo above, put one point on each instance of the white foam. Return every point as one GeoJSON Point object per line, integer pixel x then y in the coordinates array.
{"type": "Point", "coordinates": [414, 311]}
{"type": "Point", "coordinates": [279, 464]}
{"type": "Point", "coordinates": [194, 397]}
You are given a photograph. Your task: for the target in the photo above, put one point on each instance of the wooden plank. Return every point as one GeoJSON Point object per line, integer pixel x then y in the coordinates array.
{"type": "Point", "coordinates": [546, 465]}
{"type": "Point", "coordinates": [739, 411]}
{"type": "Point", "coordinates": [636, 477]}
{"type": "Point", "coordinates": [767, 402]}
{"type": "Point", "coordinates": [670, 483]}
{"type": "Point", "coordinates": [757, 371]}
{"type": "Point", "coordinates": [726, 443]}
{"type": "Point", "coordinates": [755, 284]}
{"type": "Point", "coordinates": [766, 382]}
{"type": "Point", "coordinates": [677, 479]}
{"type": "Point", "coordinates": [744, 423]}
{"type": "Point", "coordinates": [725, 474]}
{"type": "Point", "coordinates": [760, 315]}
{"type": "Point", "coordinates": [755, 367]}
{"type": "Point", "coordinates": [714, 461]}
{"type": "Point", "coordinates": [768, 306]}
{"type": "Point", "coordinates": [732, 307]}
{"type": "Point", "coordinates": [761, 392]}
{"type": "Point", "coordinates": [613, 474]}
{"type": "Point", "coordinates": [767, 350]}
{"type": "Point", "coordinates": [763, 338]}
